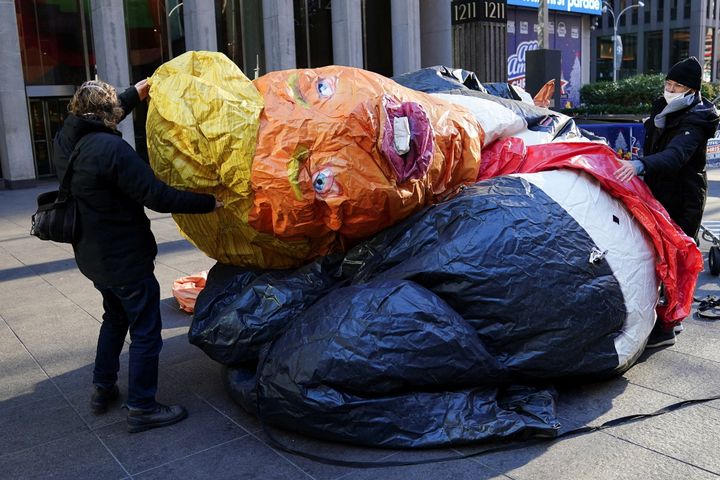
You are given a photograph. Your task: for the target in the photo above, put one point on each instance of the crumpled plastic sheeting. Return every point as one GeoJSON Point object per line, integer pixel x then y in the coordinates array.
{"type": "Point", "coordinates": [306, 163]}
{"type": "Point", "coordinates": [440, 79]}
{"type": "Point", "coordinates": [406, 340]}
{"type": "Point", "coordinates": [202, 129]}
{"type": "Point", "coordinates": [678, 259]}
{"type": "Point", "coordinates": [326, 167]}
{"type": "Point", "coordinates": [543, 125]}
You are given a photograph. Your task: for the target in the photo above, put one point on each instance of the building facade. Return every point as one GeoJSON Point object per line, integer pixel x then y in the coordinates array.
{"type": "Point", "coordinates": [656, 36]}
{"type": "Point", "coordinates": [52, 46]}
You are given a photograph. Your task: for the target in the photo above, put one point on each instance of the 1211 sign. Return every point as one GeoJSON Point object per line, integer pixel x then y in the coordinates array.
{"type": "Point", "coordinates": [464, 11]}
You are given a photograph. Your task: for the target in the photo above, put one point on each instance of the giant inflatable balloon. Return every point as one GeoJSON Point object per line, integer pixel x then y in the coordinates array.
{"type": "Point", "coordinates": [369, 290]}
{"type": "Point", "coordinates": [308, 162]}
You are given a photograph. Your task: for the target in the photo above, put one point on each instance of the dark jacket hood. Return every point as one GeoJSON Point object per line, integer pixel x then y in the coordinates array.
{"type": "Point", "coordinates": [76, 127]}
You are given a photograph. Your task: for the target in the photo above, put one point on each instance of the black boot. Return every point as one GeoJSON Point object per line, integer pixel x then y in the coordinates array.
{"type": "Point", "coordinates": [661, 337]}
{"type": "Point", "coordinates": [139, 420]}
{"type": "Point", "coordinates": [102, 398]}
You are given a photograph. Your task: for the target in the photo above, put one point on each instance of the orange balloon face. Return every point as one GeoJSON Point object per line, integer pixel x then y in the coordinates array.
{"type": "Point", "coordinates": [343, 153]}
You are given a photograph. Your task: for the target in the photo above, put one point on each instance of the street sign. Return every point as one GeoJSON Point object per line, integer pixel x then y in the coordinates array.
{"type": "Point", "coordinates": [466, 11]}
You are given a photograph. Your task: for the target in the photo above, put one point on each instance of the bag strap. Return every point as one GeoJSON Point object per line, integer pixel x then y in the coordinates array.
{"type": "Point", "coordinates": [64, 190]}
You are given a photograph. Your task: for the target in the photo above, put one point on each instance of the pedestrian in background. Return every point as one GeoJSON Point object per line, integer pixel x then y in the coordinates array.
{"type": "Point", "coordinates": [673, 164]}
{"type": "Point", "coordinates": [116, 249]}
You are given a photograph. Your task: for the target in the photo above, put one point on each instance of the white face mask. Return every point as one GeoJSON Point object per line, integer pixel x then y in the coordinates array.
{"type": "Point", "coordinates": [670, 96]}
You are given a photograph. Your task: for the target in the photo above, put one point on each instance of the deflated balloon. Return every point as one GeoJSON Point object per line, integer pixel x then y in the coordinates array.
{"type": "Point", "coordinates": [307, 162]}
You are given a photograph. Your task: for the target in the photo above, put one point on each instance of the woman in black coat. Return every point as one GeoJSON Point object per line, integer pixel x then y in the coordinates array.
{"type": "Point", "coordinates": [673, 164]}
{"type": "Point", "coordinates": [116, 249]}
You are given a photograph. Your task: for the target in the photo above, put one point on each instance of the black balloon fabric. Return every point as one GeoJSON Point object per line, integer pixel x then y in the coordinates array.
{"type": "Point", "coordinates": [444, 329]}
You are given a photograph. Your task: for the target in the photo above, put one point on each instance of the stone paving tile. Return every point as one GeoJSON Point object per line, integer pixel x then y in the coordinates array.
{"type": "Point", "coordinates": [701, 339]}
{"type": "Point", "coordinates": [79, 456]}
{"type": "Point", "coordinates": [79, 398]}
{"type": "Point", "coordinates": [205, 377]}
{"type": "Point", "coordinates": [456, 468]}
{"type": "Point", "coordinates": [62, 340]}
{"type": "Point", "coordinates": [20, 375]}
{"type": "Point", "coordinates": [203, 429]}
{"type": "Point", "coordinates": [244, 458]}
{"type": "Point", "coordinates": [21, 287]}
{"type": "Point", "coordinates": [596, 456]}
{"type": "Point", "coordinates": [675, 373]}
{"type": "Point", "coordinates": [173, 318]}
{"type": "Point", "coordinates": [36, 422]}
{"type": "Point", "coordinates": [691, 435]}
{"type": "Point", "coordinates": [599, 402]}
{"type": "Point", "coordinates": [465, 469]}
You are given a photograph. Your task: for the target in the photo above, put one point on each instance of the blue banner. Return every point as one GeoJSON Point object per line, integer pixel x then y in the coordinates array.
{"type": "Point", "coordinates": [592, 7]}
{"type": "Point", "coordinates": [625, 138]}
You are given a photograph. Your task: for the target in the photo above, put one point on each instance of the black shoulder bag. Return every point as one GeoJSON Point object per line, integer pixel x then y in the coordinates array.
{"type": "Point", "coordinates": [56, 215]}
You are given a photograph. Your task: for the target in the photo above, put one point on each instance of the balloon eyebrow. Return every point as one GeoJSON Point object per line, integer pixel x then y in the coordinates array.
{"type": "Point", "coordinates": [294, 84]}
{"type": "Point", "coordinates": [295, 164]}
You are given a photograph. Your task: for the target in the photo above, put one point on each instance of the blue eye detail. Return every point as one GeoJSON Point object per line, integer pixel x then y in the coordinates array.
{"type": "Point", "coordinates": [325, 88]}
{"type": "Point", "coordinates": [322, 181]}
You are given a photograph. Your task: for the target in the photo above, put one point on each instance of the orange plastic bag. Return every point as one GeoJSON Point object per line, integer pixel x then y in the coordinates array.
{"type": "Point", "coordinates": [186, 290]}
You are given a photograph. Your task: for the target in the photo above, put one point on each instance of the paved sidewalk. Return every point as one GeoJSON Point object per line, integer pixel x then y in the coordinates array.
{"type": "Point", "coordinates": [49, 320]}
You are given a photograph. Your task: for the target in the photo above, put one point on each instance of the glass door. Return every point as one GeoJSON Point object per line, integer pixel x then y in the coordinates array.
{"type": "Point", "coordinates": [46, 117]}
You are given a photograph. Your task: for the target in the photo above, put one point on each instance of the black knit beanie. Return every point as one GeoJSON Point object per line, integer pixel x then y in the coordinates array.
{"type": "Point", "coordinates": [688, 72]}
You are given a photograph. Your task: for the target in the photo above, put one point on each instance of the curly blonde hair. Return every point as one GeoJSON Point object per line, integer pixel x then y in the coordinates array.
{"type": "Point", "coordinates": [97, 100]}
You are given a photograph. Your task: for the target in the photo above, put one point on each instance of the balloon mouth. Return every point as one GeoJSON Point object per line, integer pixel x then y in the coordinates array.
{"type": "Point", "coordinates": [407, 141]}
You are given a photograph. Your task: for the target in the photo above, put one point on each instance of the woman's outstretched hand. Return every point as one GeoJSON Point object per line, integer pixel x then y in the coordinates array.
{"type": "Point", "coordinates": [143, 89]}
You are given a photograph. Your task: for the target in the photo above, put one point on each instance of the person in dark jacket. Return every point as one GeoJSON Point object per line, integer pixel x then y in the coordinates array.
{"type": "Point", "coordinates": [673, 164]}
{"type": "Point", "coordinates": [116, 249]}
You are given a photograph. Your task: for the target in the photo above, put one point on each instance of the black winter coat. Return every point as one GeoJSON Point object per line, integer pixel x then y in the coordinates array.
{"type": "Point", "coordinates": [112, 185]}
{"type": "Point", "coordinates": [674, 160]}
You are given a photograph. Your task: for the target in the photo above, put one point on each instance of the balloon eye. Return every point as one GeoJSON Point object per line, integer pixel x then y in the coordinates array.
{"type": "Point", "coordinates": [322, 181]}
{"type": "Point", "coordinates": [325, 88]}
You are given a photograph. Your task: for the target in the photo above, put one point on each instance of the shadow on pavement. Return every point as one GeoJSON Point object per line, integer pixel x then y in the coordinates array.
{"type": "Point", "coordinates": [51, 430]}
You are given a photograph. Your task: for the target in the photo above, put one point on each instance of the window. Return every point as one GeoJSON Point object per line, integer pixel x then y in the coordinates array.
{"type": "Point", "coordinates": [673, 9]}
{"type": "Point", "coordinates": [55, 43]}
{"type": "Point", "coordinates": [686, 9]}
{"type": "Point", "coordinates": [155, 34]}
{"type": "Point", "coordinates": [604, 58]}
{"type": "Point", "coordinates": [240, 34]}
{"type": "Point", "coordinates": [660, 11]}
{"type": "Point", "coordinates": [653, 52]}
{"type": "Point", "coordinates": [377, 37]}
{"type": "Point", "coordinates": [679, 45]}
{"type": "Point", "coordinates": [313, 33]}
{"type": "Point", "coordinates": [628, 66]}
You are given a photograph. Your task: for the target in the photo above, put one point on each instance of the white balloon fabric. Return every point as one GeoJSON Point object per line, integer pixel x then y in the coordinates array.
{"type": "Point", "coordinates": [496, 120]}
{"type": "Point", "coordinates": [621, 241]}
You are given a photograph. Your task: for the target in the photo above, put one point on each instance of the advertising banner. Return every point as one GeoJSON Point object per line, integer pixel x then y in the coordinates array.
{"type": "Point", "coordinates": [593, 7]}
{"type": "Point", "coordinates": [564, 35]}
